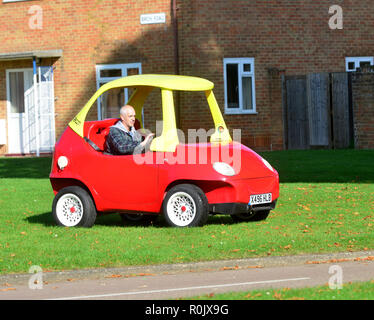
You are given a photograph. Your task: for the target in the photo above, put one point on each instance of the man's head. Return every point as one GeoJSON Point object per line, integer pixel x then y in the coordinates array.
{"type": "Point", "coordinates": [127, 114]}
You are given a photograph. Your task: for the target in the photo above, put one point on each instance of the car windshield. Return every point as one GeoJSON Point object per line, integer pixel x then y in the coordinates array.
{"type": "Point", "coordinates": [171, 87]}
{"type": "Point", "coordinates": [195, 112]}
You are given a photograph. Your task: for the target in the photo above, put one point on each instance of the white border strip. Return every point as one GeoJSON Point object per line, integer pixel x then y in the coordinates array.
{"type": "Point", "coordinates": [179, 289]}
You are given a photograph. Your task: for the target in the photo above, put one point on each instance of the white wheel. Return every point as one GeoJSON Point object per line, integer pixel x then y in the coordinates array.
{"type": "Point", "coordinates": [185, 205]}
{"type": "Point", "coordinates": [74, 207]}
{"type": "Point", "coordinates": [181, 209]}
{"type": "Point", "coordinates": [69, 210]}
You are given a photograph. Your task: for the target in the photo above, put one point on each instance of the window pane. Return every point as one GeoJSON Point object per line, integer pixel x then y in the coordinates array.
{"type": "Point", "coordinates": [132, 71]}
{"type": "Point", "coordinates": [351, 66]}
{"type": "Point", "coordinates": [247, 93]}
{"type": "Point", "coordinates": [364, 64]}
{"type": "Point", "coordinates": [247, 67]}
{"type": "Point", "coordinates": [16, 86]}
{"type": "Point", "coordinates": [111, 102]}
{"type": "Point", "coordinates": [232, 85]}
{"type": "Point", "coordinates": [110, 73]}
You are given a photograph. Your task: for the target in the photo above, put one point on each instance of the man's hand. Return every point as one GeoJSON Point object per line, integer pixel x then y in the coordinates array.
{"type": "Point", "coordinates": [147, 139]}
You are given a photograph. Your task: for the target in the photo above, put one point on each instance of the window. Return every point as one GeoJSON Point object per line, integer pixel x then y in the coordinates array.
{"type": "Point", "coordinates": [111, 101]}
{"type": "Point", "coordinates": [353, 63]}
{"type": "Point", "coordinates": [16, 92]}
{"type": "Point", "coordinates": [239, 81]}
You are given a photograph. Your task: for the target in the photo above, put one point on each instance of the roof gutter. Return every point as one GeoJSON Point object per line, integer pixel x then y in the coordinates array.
{"type": "Point", "coordinates": [31, 55]}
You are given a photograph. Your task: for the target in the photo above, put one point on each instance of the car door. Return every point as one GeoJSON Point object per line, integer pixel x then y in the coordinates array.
{"type": "Point", "coordinates": [126, 184]}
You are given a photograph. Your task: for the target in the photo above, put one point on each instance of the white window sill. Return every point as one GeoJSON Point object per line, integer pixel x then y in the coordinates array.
{"type": "Point", "coordinates": [229, 112]}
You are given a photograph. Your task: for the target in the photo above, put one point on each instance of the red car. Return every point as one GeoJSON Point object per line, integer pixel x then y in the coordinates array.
{"type": "Point", "coordinates": [186, 182]}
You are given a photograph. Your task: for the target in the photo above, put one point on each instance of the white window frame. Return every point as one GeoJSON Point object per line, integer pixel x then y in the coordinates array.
{"type": "Point", "coordinates": [241, 74]}
{"type": "Point", "coordinates": [100, 80]}
{"type": "Point", "coordinates": [357, 61]}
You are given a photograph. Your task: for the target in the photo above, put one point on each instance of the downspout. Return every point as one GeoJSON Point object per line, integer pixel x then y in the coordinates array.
{"type": "Point", "coordinates": [174, 17]}
{"type": "Point", "coordinates": [36, 109]}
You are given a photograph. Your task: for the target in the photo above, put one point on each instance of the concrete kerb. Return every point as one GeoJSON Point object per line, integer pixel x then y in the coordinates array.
{"type": "Point", "coordinates": [260, 262]}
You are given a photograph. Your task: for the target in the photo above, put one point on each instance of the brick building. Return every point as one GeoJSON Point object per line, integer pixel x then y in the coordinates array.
{"type": "Point", "coordinates": [246, 48]}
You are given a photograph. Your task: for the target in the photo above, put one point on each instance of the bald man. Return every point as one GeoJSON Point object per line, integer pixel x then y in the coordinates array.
{"type": "Point", "coordinates": [123, 139]}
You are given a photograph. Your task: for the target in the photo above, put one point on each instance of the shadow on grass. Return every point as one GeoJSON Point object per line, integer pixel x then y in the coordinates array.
{"type": "Point", "coordinates": [31, 168]}
{"type": "Point", "coordinates": [293, 166]}
{"type": "Point", "coordinates": [44, 219]}
{"type": "Point", "coordinates": [339, 166]}
{"type": "Point", "coordinates": [114, 220]}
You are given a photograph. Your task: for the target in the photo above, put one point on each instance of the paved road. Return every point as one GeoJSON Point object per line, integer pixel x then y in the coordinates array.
{"type": "Point", "coordinates": [169, 281]}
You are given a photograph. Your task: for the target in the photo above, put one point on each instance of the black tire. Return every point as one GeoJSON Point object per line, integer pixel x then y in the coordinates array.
{"type": "Point", "coordinates": [82, 211]}
{"type": "Point", "coordinates": [185, 205]}
{"type": "Point", "coordinates": [256, 216]}
{"type": "Point", "coordinates": [138, 218]}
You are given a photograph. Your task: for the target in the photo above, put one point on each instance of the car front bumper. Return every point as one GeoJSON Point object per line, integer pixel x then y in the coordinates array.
{"type": "Point", "coordinates": [235, 208]}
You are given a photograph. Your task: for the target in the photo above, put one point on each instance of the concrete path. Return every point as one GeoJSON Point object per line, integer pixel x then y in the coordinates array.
{"type": "Point", "coordinates": [184, 280]}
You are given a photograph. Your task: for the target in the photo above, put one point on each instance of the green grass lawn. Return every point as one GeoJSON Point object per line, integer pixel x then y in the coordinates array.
{"type": "Point", "coordinates": [326, 204]}
{"type": "Point", "coordinates": [349, 291]}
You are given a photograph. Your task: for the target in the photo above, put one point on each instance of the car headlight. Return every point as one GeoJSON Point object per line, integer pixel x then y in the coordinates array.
{"type": "Point", "coordinates": [224, 168]}
{"type": "Point", "coordinates": [267, 164]}
{"type": "Point", "coordinates": [62, 162]}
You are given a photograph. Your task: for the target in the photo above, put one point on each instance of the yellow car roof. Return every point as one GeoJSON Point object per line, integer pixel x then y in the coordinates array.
{"type": "Point", "coordinates": [167, 83]}
{"type": "Point", "coordinates": [171, 82]}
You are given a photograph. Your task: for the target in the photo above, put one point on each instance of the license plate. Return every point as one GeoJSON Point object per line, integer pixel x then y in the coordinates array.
{"type": "Point", "coordinates": [260, 198]}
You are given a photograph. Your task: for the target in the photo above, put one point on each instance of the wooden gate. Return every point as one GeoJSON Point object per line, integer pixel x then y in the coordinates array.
{"type": "Point", "coordinates": [341, 110]}
{"type": "Point", "coordinates": [296, 113]}
{"type": "Point", "coordinates": [316, 108]}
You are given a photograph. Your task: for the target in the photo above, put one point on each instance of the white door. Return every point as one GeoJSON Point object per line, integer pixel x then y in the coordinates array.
{"type": "Point", "coordinates": [46, 109]}
{"type": "Point", "coordinates": [31, 125]}
{"type": "Point", "coordinates": [19, 81]}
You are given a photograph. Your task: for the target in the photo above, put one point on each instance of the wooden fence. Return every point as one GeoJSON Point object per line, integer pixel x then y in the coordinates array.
{"type": "Point", "coordinates": [317, 111]}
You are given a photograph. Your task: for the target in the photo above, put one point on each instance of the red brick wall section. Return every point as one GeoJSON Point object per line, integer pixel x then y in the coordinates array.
{"type": "Point", "coordinates": [363, 109]}
{"type": "Point", "coordinates": [290, 36]}
{"type": "Point", "coordinates": [89, 33]}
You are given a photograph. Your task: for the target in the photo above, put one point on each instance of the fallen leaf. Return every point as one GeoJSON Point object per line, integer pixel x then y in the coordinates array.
{"type": "Point", "coordinates": [8, 289]}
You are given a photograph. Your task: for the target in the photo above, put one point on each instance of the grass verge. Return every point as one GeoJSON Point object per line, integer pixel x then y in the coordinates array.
{"type": "Point", "coordinates": [326, 205]}
{"type": "Point", "coordinates": [349, 291]}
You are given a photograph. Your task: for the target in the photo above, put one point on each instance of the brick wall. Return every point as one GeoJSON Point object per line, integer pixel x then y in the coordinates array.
{"type": "Point", "coordinates": [286, 37]}
{"type": "Point", "coordinates": [290, 37]}
{"type": "Point", "coordinates": [89, 33]}
{"type": "Point", "coordinates": [363, 108]}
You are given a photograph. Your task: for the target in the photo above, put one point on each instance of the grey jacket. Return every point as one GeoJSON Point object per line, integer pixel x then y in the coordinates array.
{"type": "Point", "coordinates": [121, 141]}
